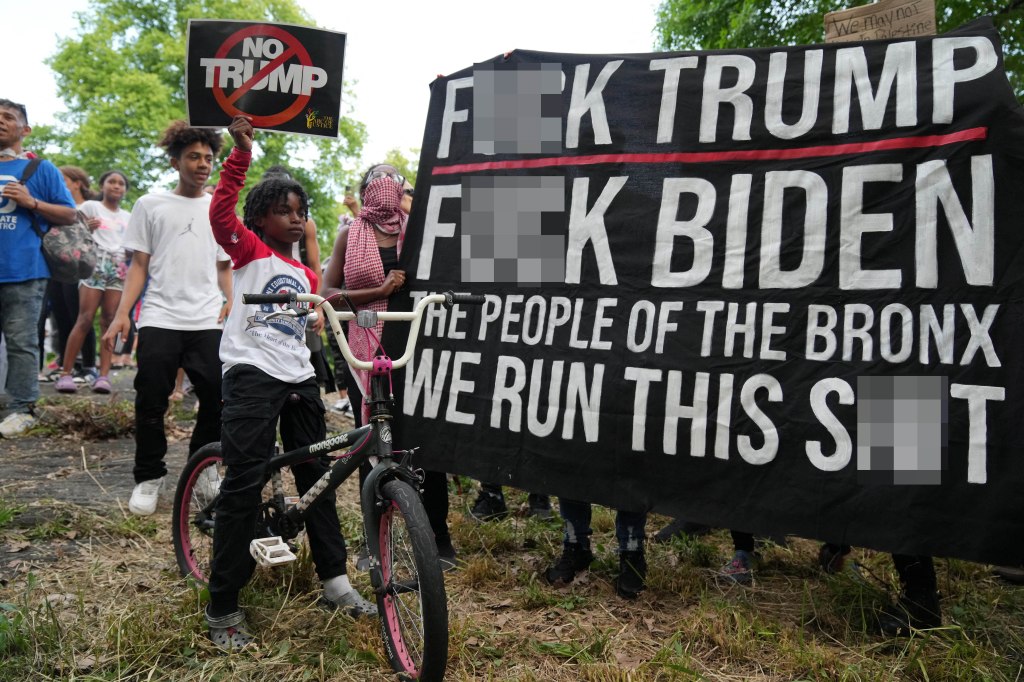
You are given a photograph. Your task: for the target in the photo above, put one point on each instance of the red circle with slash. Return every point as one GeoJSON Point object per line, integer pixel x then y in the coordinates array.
{"type": "Point", "coordinates": [293, 49]}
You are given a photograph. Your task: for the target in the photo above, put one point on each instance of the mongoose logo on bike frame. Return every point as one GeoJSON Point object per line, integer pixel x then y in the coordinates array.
{"type": "Point", "coordinates": [286, 324]}
{"type": "Point", "coordinates": [329, 444]}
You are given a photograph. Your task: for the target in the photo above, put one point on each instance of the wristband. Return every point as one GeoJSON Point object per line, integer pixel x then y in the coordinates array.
{"type": "Point", "coordinates": [36, 207]}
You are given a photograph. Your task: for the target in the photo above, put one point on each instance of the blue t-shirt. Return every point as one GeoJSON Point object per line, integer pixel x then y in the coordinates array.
{"type": "Point", "coordinates": [21, 259]}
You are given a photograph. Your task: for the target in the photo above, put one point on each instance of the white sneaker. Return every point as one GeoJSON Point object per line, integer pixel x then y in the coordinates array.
{"type": "Point", "coordinates": [344, 406]}
{"type": "Point", "coordinates": [16, 424]}
{"type": "Point", "coordinates": [207, 485]}
{"type": "Point", "coordinates": [145, 496]}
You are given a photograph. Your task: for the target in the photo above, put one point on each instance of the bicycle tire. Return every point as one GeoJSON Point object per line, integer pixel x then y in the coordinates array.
{"type": "Point", "coordinates": [192, 522]}
{"type": "Point", "coordinates": [412, 604]}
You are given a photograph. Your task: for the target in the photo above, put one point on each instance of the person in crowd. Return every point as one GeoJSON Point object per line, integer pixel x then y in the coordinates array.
{"type": "Point", "coordinates": [187, 297]}
{"type": "Point", "coordinates": [108, 222]}
{"type": "Point", "coordinates": [267, 376]}
{"type": "Point", "coordinates": [365, 259]}
{"type": "Point", "coordinates": [63, 298]}
{"type": "Point", "coordinates": [630, 530]}
{"type": "Point", "coordinates": [34, 204]}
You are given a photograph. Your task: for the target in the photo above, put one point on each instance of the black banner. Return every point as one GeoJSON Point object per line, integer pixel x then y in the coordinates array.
{"type": "Point", "coordinates": [773, 290]}
{"type": "Point", "coordinates": [287, 78]}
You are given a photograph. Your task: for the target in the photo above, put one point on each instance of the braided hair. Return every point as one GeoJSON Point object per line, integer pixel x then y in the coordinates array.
{"type": "Point", "coordinates": [269, 193]}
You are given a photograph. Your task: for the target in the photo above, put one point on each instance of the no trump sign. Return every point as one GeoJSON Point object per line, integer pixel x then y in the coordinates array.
{"type": "Point", "coordinates": [287, 78]}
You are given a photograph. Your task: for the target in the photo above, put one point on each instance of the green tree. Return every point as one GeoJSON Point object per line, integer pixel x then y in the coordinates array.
{"type": "Point", "coordinates": [122, 77]}
{"type": "Point", "coordinates": [731, 24]}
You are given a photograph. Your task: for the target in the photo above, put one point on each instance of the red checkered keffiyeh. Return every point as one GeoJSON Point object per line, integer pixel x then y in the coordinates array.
{"type": "Point", "coordinates": [363, 267]}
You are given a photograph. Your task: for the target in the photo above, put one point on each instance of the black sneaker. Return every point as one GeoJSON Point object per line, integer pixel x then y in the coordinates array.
{"type": "Point", "coordinates": [832, 557]}
{"type": "Point", "coordinates": [488, 507]}
{"type": "Point", "coordinates": [447, 555]}
{"type": "Point", "coordinates": [632, 574]}
{"type": "Point", "coordinates": [539, 506]}
{"type": "Point", "coordinates": [911, 612]}
{"type": "Point", "coordinates": [575, 558]}
{"type": "Point", "coordinates": [679, 528]}
{"type": "Point", "coordinates": [1011, 574]}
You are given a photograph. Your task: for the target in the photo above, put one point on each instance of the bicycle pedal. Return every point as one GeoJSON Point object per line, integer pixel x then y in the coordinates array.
{"type": "Point", "coordinates": [270, 551]}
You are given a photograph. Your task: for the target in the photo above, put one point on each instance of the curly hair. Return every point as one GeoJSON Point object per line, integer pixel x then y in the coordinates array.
{"type": "Point", "coordinates": [179, 135]}
{"type": "Point", "coordinates": [268, 194]}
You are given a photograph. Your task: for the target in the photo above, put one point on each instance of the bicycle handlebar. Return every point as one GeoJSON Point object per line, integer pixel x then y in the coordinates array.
{"type": "Point", "coordinates": [334, 318]}
{"type": "Point", "coordinates": [249, 299]}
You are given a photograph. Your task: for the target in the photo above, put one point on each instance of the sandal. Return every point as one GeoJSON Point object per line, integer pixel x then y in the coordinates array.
{"type": "Point", "coordinates": [352, 604]}
{"type": "Point", "coordinates": [229, 632]}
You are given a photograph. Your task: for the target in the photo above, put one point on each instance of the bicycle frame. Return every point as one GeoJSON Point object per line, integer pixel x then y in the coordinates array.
{"type": "Point", "coordinates": [364, 443]}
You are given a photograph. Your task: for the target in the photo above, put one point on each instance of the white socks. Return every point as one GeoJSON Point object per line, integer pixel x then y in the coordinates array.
{"type": "Point", "coordinates": [337, 586]}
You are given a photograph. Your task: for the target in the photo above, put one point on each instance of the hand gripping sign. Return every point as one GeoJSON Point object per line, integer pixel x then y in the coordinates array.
{"type": "Point", "coordinates": [287, 78]}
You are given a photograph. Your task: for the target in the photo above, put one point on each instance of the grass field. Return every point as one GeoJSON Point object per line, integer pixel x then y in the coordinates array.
{"type": "Point", "coordinates": [91, 593]}
{"type": "Point", "coordinates": [116, 610]}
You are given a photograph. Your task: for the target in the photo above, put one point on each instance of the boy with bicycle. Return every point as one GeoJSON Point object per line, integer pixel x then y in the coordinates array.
{"type": "Point", "coordinates": [267, 375]}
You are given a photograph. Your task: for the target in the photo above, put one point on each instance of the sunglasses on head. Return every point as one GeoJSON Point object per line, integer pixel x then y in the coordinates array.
{"type": "Point", "coordinates": [393, 174]}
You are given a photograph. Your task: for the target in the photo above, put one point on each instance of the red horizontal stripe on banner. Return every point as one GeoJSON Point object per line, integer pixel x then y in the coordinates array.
{"type": "Point", "coordinates": [969, 135]}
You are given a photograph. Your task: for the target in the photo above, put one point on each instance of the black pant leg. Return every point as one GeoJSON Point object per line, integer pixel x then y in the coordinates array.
{"type": "Point", "coordinates": [159, 356]}
{"type": "Point", "coordinates": [742, 541]}
{"type": "Point", "coordinates": [435, 502]}
{"type": "Point", "coordinates": [252, 401]}
{"type": "Point", "coordinates": [302, 423]}
{"type": "Point", "coordinates": [201, 361]}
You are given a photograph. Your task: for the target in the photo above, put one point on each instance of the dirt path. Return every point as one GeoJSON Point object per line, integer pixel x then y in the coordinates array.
{"type": "Point", "coordinates": [50, 479]}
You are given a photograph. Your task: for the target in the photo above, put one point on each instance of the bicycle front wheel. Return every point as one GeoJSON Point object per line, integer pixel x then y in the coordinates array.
{"type": "Point", "coordinates": [194, 500]}
{"type": "Point", "coordinates": [412, 604]}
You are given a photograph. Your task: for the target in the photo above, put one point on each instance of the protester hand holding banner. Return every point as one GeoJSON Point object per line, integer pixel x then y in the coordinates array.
{"type": "Point", "coordinates": [287, 78]}
{"type": "Point", "coordinates": [777, 290]}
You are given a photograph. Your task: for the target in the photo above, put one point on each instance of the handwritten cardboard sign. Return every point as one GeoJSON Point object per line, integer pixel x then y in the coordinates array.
{"type": "Point", "coordinates": [881, 21]}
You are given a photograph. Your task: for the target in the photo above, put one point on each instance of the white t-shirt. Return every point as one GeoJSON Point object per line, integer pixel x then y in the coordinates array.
{"type": "Point", "coordinates": [109, 236]}
{"type": "Point", "coordinates": [175, 231]}
{"type": "Point", "coordinates": [276, 345]}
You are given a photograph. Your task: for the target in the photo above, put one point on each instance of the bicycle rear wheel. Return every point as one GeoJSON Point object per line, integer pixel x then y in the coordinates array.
{"type": "Point", "coordinates": [194, 498]}
{"type": "Point", "coordinates": [412, 604]}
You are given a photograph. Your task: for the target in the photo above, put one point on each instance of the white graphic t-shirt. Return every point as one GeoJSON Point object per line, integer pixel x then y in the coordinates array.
{"type": "Point", "coordinates": [182, 292]}
{"type": "Point", "coordinates": [109, 236]}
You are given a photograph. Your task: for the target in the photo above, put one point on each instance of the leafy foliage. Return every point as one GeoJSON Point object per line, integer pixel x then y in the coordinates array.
{"type": "Point", "coordinates": [731, 24]}
{"type": "Point", "coordinates": [122, 78]}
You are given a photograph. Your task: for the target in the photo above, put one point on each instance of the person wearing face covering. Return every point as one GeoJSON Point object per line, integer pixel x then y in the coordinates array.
{"type": "Point", "coordinates": [365, 262]}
